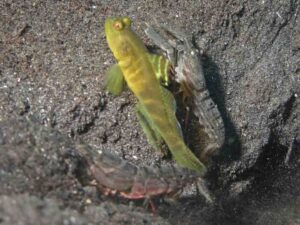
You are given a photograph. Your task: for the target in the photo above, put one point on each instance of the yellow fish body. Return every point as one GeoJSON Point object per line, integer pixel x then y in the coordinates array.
{"type": "Point", "coordinates": [143, 73]}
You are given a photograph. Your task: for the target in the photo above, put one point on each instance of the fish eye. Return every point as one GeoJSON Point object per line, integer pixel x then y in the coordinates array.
{"type": "Point", "coordinates": [127, 21]}
{"type": "Point", "coordinates": [118, 25]}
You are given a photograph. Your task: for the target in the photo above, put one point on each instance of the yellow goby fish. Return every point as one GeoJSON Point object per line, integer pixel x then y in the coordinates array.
{"type": "Point", "coordinates": [143, 73]}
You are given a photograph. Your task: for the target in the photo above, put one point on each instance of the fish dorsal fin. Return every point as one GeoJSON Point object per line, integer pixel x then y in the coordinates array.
{"type": "Point", "coordinates": [114, 80]}
{"type": "Point", "coordinates": [161, 66]}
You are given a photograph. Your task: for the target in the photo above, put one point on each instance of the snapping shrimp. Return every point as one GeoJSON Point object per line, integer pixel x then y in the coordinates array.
{"type": "Point", "coordinates": [185, 59]}
{"type": "Point", "coordinates": [115, 176]}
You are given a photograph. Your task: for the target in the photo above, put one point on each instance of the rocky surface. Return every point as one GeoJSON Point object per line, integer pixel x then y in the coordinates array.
{"type": "Point", "coordinates": [53, 58]}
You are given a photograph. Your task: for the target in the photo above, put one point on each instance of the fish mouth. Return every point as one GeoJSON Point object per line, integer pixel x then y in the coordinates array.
{"type": "Point", "coordinates": [108, 24]}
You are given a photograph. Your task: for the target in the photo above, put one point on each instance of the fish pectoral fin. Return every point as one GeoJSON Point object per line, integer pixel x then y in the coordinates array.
{"type": "Point", "coordinates": [153, 136]}
{"type": "Point", "coordinates": [170, 106]}
{"type": "Point", "coordinates": [114, 80]}
{"type": "Point", "coordinates": [161, 66]}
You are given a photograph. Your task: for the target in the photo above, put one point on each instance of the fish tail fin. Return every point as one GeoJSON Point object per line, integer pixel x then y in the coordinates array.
{"type": "Point", "coordinates": [186, 158]}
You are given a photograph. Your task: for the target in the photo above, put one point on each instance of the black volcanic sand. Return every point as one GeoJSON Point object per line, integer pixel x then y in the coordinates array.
{"type": "Point", "coordinates": [53, 58]}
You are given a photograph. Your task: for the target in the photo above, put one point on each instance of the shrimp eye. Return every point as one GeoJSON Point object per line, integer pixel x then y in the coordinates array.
{"type": "Point", "coordinates": [127, 21]}
{"type": "Point", "coordinates": [118, 25]}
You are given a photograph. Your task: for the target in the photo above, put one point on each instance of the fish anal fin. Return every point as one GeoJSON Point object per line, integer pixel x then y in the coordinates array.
{"type": "Point", "coordinates": [170, 106]}
{"type": "Point", "coordinates": [153, 136]}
